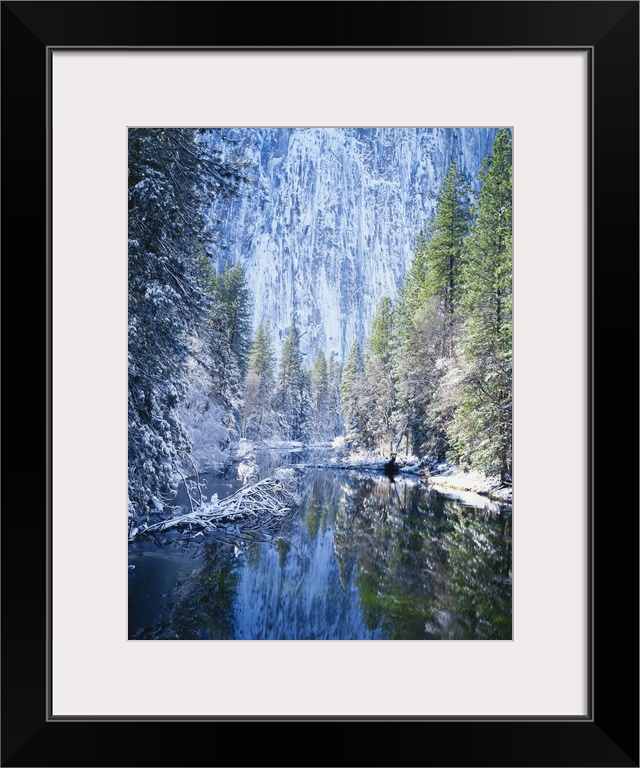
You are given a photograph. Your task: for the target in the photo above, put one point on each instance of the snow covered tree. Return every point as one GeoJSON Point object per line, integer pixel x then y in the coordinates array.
{"type": "Point", "coordinates": [252, 412]}
{"type": "Point", "coordinates": [258, 417]}
{"type": "Point", "coordinates": [290, 364]}
{"type": "Point", "coordinates": [262, 360]}
{"type": "Point", "coordinates": [220, 351]}
{"type": "Point", "coordinates": [386, 423]}
{"type": "Point", "coordinates": [293, 389]}
{"type": "Point", "coordinates": [429, 318]}
{"type": "Point", "coordinates": [334, 376]}
{"type": "Point", "coordinates": [320, 377]}
{"type": "Point", "coordinates": [304, 425]}
{"type": "Point", "coordinates": [353, 391]}
{"type": "Point", "coordinates": [232, 311]}
{"type": "Point", "coordinates": [419, 369]}
{"type": "Point", "coordinates": [482, 427]}
{"type": "Point", "coordinates": [172, 179]}
{"type": "Point", "coordinates": [320, 380]}
{"type": "Point", "coordinates": [441, 254]}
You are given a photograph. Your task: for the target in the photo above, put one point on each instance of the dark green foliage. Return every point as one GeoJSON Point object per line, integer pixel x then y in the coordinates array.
{"type": "Point", "coordinates": [482, 427]}
{"type": "Point", "coordinates": [420, 369]}
{"type": "Point", "coordinates": [353, 392]}
{"type": "Point", "coordinates": [172, 178]}
{"type": "Point", "coordinates": [320, 377]}
{"type": "Point", "coordinates": [258, 416]}
{"type": "Point", "coordinates": [293, 398]}
{"type": "Point", "coordinates": [320, 381]}
{"type": "Point", "coordinates": [335, 420]}
{"type": "Point", "coordinates": [438, 364]}
{"type": "Point", "coordinates": [439, 255]}
{"type": "Point", "coordinates": [231, 312]}
{"type": "Point", "coordinates": [385, 422]}
{"type": "Point", "coordinates": [429, 318]}
{"type": "Point", "coordinates": [262, 359]}
{"type": "Point", "coordinates": [380, 342]}
{"type": "Point", "coordinates": [227, 336]}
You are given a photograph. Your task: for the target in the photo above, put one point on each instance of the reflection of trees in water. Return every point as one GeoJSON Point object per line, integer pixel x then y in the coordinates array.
{"type": "Point", "coordinates": [320, 493]}
{"type": "Point", "coordinates": [425, 566]}
{"type": "Point", "coordinates": [477, 591]}
{"type": "Point", "coordinates": [202, 605]}
{"type": "Point", "coordinates": [379, 543]}
{"type": "Point", "coordinates": [205, 611]}
{"type": "Point", "coordinates": [283, 546]}
{"type": "Point", "coordinates": [312, 519]}
{"type": "Point", "coordinates": [351, 529]}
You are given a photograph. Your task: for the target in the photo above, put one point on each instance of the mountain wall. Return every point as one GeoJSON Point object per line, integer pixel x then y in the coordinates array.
{"type": "Point", "coordinates": [329, 225]}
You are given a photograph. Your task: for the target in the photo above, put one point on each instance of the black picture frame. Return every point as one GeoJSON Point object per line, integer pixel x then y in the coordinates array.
{"type": "Point", "coordinates": [608, 736]}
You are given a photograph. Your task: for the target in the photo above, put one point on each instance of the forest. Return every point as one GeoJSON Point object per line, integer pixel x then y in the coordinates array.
{"type": "Point", "coordinates": [432, 378]}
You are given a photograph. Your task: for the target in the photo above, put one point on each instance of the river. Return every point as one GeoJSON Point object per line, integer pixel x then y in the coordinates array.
{"type": "Point", "coordinates": [363, 558]}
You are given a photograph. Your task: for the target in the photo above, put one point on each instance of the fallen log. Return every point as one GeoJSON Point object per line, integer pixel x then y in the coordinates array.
{"type": "Point", "coordinates": [268, 499]}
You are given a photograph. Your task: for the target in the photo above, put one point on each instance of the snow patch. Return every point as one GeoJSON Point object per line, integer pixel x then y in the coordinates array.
{"type": "Point", "coordinates": [450, 479]}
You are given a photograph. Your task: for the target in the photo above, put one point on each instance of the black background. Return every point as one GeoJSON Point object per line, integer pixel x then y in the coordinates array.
{"type": "Point", "coordinates": [609, 737]}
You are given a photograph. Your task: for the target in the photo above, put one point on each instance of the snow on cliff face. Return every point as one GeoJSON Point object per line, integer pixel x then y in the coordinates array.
{"type": "Point", "coordinates": [330, 224]}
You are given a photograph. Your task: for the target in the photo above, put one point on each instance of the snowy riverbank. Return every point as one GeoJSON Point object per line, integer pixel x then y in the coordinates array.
{"type": "Point", "coordinates": [446, 478]}
{"type": "Point", "coordinates": [449, 477]}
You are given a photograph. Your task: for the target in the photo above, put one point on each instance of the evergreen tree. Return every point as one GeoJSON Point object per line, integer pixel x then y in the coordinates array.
{"type": "Point", "coordinates": [292, 385]}
{"type": "Point", "coordinates": [428, 317]}
{"type": "Point", "coordinates": [439, 254]}
{"type": "Point", "coordinates": [172, 179]}
{"type": "Point", "coordinates": [228, 336]}
{"type": "Point", "coordinates": [380, 342]}
{"type": "Point", "coordinates": [290, 363]}
{"type": "Point", "coordinates": [353, 393]}
{"type": "Point", "coordinates": [412, 290]}
{"type": "Point", "coordinates": [231, 312]}
{"type": "Point", "coordinates": [482, 428]}
{"type": "Point", "coordinates": [419, 369]}
{"type": "Point", "coordinates": [303, 424]}
{"type": "Point", "coordinates": [320, 382]}
{"type": "Point", "coordinates": [258, 417]}
{"type": "Point", "coordinates": [386, 425]}
{"type": "Point", "coordinates": [334, 375]}
{"type": "Point", "coordinates": [262, 357]}
{"type": "Point", "coordinates": [320, 378]}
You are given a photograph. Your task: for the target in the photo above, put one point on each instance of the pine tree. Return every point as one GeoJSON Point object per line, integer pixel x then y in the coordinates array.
{"type": "Point", "coordinates": [334, 375]}
{"type": "Point", "coordinates": [303, 423]}
{"type": "Point", "coordinates": [353, 395]}
{"type": "Point", "coordinates": [320, 378]}
{"type": "Point", "coordinates": [292, 386]}
{"type": "Point", "coordinates": [258, 417]}
{"type": "Point", "coordinates": [441, 252]}
{"type": "Point", "coordinates": [381, 339]}
{"type": "Point", "coordinates": [290, 363]}
{"type": "Point", "coordinates": [419, 369]}
{"type": "Point", "coordinates": [428, 318]}
{"type": "Point", "coordinates": [214, 409]}
{"type": "Point", "coordinates": [320, 381]}
{"type": "Point", "coordinates": [172, 179]}
{"type": "Point", "coordinates": [482, 429]}
{"type": "Point", "coordinates": [412, 291]}
{"type": "Point", "coordinates": [262, 357]}
{"type": "Point", "coordinates": [386, 424]}
{"type": "Point", "coordinates": [231, 312]}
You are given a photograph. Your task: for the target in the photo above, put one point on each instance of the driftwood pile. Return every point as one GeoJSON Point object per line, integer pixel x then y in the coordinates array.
{"type": "Point", "coordinates": [264, 503]}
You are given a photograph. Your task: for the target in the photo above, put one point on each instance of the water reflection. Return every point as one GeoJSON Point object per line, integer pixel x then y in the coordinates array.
{"type": "Point", "coordinates": [364, 558]}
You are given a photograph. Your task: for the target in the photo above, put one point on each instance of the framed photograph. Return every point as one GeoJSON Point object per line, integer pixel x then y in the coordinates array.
{"type": "Point", "coordinates": [88, 88]}
{"type": "Point", "coordinates": [331, 342]}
